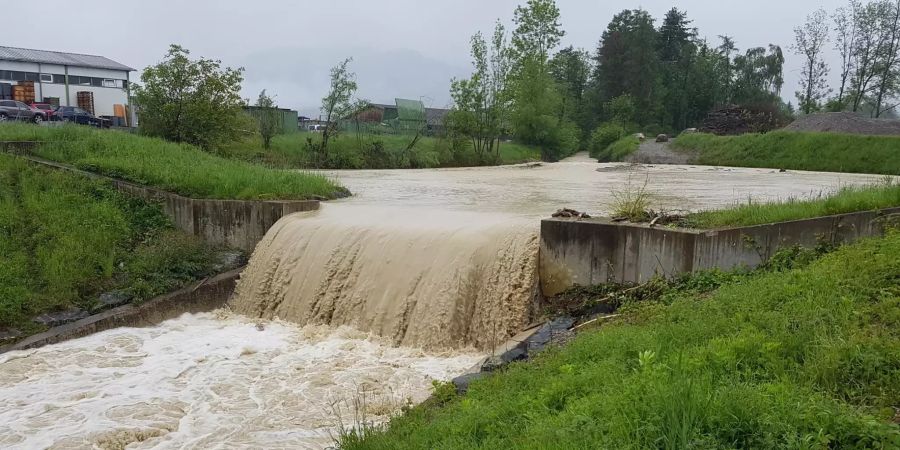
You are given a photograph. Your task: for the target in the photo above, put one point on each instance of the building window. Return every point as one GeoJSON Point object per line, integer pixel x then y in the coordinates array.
{"type": "Point", "coordinates": [46, 78]}
{"type": "Point", "coordinates": [18, 76]}
{"type": "Point", "coordinates": [31, 76]}
{"type": "Point", "coordinates": [59, 79]}
{"type": "Point", "coordinates": [109, 83]}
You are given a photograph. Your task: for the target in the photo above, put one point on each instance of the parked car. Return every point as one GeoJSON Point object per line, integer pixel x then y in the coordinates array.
{"type": "Point", "coordinates": [47, 109]}
{"type": "Point", "coordinates": [13, 110]}
{"type": "Point", "coordinates": [77, 115]}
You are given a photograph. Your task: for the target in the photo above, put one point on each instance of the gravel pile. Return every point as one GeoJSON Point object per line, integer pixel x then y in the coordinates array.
{"type": "Point", "coordinates": [847, 123]}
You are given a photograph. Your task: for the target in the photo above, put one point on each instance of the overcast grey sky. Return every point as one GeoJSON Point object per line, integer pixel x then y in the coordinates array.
{"type": "Point", "coordinates": [401, 48]}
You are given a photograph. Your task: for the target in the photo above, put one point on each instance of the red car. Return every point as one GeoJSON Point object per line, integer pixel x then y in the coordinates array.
{"type": "Point", "coordinates": [46, 109]}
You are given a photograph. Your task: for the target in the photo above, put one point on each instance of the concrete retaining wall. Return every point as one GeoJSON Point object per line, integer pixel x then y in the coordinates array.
{"type": "Point", "coordinates": [236, 223]}
{"type": "Point", "coordinates": [596, 251]}
{"type": "Point", "coordinates": [203, 296]}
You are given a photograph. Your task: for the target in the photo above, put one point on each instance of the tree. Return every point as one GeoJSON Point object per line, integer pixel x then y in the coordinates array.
{"type": "Point", "coordinates": [844, 19]}
{"type": "Point", "coordinates": [570, 69]}
{"type": "Point", "coordinates": [538, 111]}
{"type": "Point", "coordinates": [338, 104]}
{"type": "Point", "coordinates": [759, 76]}
{"type": "Point", "coordinates": [810, 40]}
{"type": "Point", "coordinates": [627, 62]}
{"type": "Point", "coordinates": [537, 31]}
{"type": "Point", "coordinates": [192, 101]}
{"type": "Point", "coordinates": [481, 102]}
{"type": "Point", "coordinates": [677, 52]}
{"type": "Point", "coordinates": [267, 118]}
{"type": "Point", "coordinates": [674, 34]}
{"type": "Point", "coordinates": [874, 56]}
{"type": "Point", "coordinates": [889, 51]}
{"type": "Point", "coordinates": [726, 49]}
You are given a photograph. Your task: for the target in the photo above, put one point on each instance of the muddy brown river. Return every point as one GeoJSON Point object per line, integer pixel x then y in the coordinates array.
{"type": "Point", "coordinates": [347, 312]}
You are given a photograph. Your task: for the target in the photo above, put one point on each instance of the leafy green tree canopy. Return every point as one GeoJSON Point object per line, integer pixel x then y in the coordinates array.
{"type": "Point", "coordinates": [194, 101]}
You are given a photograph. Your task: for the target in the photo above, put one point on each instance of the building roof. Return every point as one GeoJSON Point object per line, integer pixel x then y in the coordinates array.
{"type": "Point", "coordinates": [61, 58]}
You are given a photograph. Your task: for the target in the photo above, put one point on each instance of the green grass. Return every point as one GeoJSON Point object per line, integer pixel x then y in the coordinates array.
{"type": "Point", "coordinates": [618, 150]}
{"type": "Point", "coordinates": [846, 200]}
{"type": "Point", "coordinates": [183, 169]}
{"type": "Point", "coordinates": [348, 151]}
{"type": "Point", "coordinates": [826, 152]}
{"type": "Point", "coordinates": [64, 239]}
{"type": "Point", "coordinates": [805, 358]}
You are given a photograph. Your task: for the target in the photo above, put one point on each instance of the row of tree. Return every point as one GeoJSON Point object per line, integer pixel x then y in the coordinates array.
{"type": "Point", "coordinates": [866, 37]}
{"type": "Point", "coordinates": [640, 76]}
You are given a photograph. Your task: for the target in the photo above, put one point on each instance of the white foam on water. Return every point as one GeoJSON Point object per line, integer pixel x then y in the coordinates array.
{"type": "Point", "coordinates": [210, 380]}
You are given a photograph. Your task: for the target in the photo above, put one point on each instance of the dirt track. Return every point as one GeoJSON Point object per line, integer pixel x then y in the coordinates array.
{"type": "Point", "coordinates": [651, 152]}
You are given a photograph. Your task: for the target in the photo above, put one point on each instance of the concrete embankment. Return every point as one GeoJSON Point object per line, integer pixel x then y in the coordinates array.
{"type": "Point", "coordinates": [236, 223]}
{"type": "Point", "coordinates": [597, 251]}
{"type": "Point", "coordinates": [203, 296]}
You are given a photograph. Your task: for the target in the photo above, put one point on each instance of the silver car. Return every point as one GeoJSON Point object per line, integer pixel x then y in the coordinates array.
{"type": "Point", "coordinates": [13, 110]}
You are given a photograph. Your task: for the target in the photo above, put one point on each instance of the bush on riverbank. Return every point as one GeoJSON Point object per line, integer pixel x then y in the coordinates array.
{"type": "Point", "coordinates": [65, 239]}
{"type": "Point", "coordinates": [846, 200]}
{"type": "Point", "coordinates": [792, 358]}
{"type": "Point", "coordinates": [179, 168]}
{"type": "Point", "coordinates": [826, 152]}
{"type": "Point", "coordinates": [348, 151]}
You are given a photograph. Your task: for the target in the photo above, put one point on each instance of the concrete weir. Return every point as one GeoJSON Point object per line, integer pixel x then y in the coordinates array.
{"type": "Point", "coordinates": [596, 251]}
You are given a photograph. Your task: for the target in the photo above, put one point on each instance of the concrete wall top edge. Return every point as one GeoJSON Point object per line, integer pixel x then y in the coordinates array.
{"type": "Point", "coordinates": [713, 231]}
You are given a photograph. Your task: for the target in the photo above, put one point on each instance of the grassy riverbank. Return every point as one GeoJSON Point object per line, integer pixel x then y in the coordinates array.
{"type": "Point", "coordinates": [65, 239]}
{"type": "Point", "coordinates": [348, 151]}
{"type": "Point", "coordinates": [846, 200]}
{"type": "Point", "coordinates": [184, 169]}
{"type": "Point", "coordinates": [800, 358]}
{"type": "Point", "coordinates": [618, 150]}
{"type": "Point", "coordinates": [826, 152]}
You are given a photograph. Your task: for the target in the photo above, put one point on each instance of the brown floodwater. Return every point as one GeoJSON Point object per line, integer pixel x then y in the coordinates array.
{"type": "Point", "coordinates": [345, 312]}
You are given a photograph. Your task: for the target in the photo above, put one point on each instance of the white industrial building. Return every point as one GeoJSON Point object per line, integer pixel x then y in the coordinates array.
{"type": "Point", "coordinates": [59, 76]}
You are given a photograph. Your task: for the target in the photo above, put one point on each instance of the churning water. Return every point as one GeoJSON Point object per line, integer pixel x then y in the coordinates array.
{"type": "Point", "coordinates": [440, 260]}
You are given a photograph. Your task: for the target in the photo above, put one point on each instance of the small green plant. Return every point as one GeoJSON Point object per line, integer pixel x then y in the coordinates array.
{"type": "Point", "coordinates": [632, 203]}
{"type": "Point", "coordinates": [443, 392]}
{"type": "Point", "coordinates": [646, 359]}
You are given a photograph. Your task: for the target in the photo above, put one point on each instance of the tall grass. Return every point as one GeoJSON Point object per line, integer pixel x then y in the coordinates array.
{"type": "Point", "coordinates": [632, 202]}
{"type": "Point", "coordinates": [64, 239]}
{"type": "Point", "coordinates": [846, 200]}
{"type": "Point", "coordinates": [826, 152]}
{"type": "Point", "coordinates": [184, 169]}
{"type": "Point", "coordinates": [802, 358]}
{"type": "Point", "coordinates": [349, 151]}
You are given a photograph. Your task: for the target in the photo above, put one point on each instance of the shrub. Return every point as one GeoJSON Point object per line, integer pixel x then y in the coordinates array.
{"type": "Point", "coordinates": [604, 136]}
{"type": "Point", "coordinates": [193, 101]}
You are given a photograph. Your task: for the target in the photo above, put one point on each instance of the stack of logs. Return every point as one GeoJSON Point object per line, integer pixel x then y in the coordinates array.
{"type": "Point", "coordinates": [736, 120]}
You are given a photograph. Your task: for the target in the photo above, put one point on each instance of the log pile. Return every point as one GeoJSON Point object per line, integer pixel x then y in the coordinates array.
{"type": "Point", "coordinates": [736, 120]}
